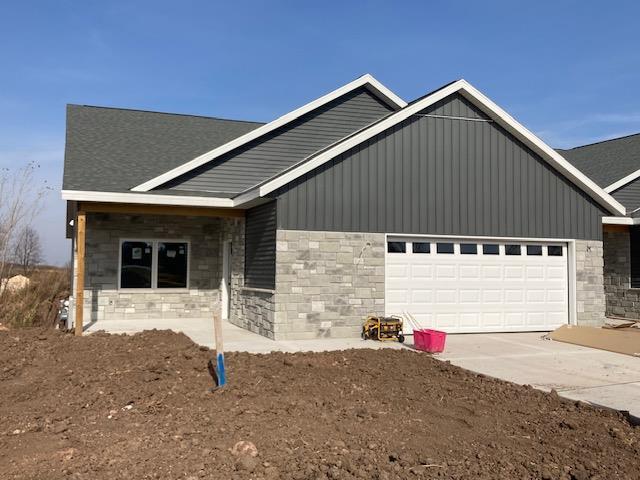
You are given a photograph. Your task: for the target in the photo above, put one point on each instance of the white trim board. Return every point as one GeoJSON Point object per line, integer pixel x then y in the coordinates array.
{"type": "Point", "coordinates": [622, 182]}
{"type": "Point", "coordinates": [620, 220]}
{"type": "Point", "coordinates": [481, 101]}
{"type": "Point", "coordinates": [366, 80]}
{"type": "Point", "coordinates": [149, 198]}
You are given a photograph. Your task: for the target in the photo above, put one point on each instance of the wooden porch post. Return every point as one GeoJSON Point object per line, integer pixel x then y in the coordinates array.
{"type": "Point", "coordinates": [80, 236]}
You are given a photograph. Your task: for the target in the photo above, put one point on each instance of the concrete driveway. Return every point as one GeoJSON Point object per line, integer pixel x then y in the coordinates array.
{"type": "Point", "coordinates": [580, 373]}
{"type": "Point", "coordinates": [595, 376]}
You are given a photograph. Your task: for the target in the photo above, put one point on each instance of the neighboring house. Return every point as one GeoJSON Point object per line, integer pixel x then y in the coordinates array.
{"type": "Point", "coordinates": [354, 204]}
{"type": "Point", "coordinates": [615, 166]}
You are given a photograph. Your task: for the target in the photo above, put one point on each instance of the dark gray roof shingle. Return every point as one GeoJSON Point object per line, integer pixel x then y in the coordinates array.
{"type": "Point", "coordinates": [608, 161]}
{"type": "Point", "coordinates": [113, 150]}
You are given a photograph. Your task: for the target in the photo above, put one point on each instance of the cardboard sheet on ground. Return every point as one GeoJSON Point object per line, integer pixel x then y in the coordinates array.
{"type": "Point", "coordinates": [619, 340]}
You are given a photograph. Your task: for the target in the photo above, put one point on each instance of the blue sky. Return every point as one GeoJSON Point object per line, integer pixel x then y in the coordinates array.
{"type": "Point", "coordinates": [568, 70]}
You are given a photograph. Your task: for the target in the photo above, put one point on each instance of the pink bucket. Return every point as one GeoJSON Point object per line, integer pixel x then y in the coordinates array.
{"type": "Point", "coordinates": [428, 340]}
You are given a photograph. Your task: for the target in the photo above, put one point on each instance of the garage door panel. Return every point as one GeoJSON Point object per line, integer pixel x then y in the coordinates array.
{"type": "Point", "coordinates": [469, 295]}
{"type": "Point", "coordinates": [469, 272]}
{"type": "Point", "coordinates": [446, 271]}
{"type": "Point", "coordinates": [477, 292]}
{"type": "Point", "coordinates": [421, 296]}
{"type": "Point", "coordinates": [419, 272]}
{"type": "Point", "coordinates": [492, 272]}
{"type": "Point", "coordinates": [492, 296]}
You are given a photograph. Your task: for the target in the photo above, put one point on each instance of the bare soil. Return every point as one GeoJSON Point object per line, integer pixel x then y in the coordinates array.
{"type": "Point", "coordinates": [136, 407]}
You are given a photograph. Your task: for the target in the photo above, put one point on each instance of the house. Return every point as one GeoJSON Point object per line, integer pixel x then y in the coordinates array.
{"type": "Point", "coordinates": [356, 203]}
{"type": "Point", "coordinates": [615, 166]}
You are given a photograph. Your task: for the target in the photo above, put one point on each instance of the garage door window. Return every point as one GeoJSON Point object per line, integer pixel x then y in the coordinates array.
{"type": "Point", "coordinates": [491, 249]}
{"type": "Point", "coordinates": [444, 247]}
{"type": "Point", "coordinates": [396, 247]}
{"type": "Point", "coordinates": [554, 250]}
{"type": "Point", "coordinates": [534, 249]}
{"type": "Point", "coordinates": [421, 247]}
{"type": "Point", "coordinates": [512, 249]}
{"type": "Point", "coordinates": [468, 248]}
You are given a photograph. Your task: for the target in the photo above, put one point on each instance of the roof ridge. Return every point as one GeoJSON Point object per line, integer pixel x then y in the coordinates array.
{"type": "Point", "coordinates": [600, 141]}
{"type": "Point", "coordinates": [164, 113]}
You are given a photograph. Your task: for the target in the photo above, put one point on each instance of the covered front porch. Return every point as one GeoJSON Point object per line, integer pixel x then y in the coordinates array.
{"type": "Point", "coordinates": [146, 265]}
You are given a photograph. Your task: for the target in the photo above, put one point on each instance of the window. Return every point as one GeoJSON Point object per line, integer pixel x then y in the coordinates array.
{"type": "Point", "coordinates": [491, 249]}
{"type": "Point", "coordinates": [444, 247]}
{"type": "Point", "coordinates": [154, 264]}
{"type": "Point", "coordinates": [534, 249]}
{"type": "Point", "coordinates": [172, 264]}
{"type": "Point", "coordinates": [554, 250]}
{"type": "Point", "coordinates": [468, 248]}
{"type": "Point", "coordinates": [396, 247]}
{"type": "Point", "coordinates": [421, 247]}
{"type": "Point", "coordinates": [136, 264]}
{"type": "Point", "coordinates": [512, 249]}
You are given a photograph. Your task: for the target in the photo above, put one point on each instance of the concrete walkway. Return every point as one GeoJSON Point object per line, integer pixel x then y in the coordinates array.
{"type": "Point", "coordinates": [595, 376]}
{"type": "Point", "coordinates": [580, 373]}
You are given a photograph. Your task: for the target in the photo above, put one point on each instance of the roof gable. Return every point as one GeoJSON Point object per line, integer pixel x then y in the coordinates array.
{"type": "Point", "coordinates": [270, 154]}
{"type": "Point", "coordinates": [366, 81]}
{"type": "Point", "coordinates": [475, 98]}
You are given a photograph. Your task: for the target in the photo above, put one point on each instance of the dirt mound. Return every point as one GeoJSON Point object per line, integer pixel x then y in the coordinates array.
{"type": "Point", "coordinates": [135, 407]}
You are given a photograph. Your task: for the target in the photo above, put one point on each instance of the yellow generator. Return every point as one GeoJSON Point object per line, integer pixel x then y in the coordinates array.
{"type": "Point", "coordinates": [382, 329]}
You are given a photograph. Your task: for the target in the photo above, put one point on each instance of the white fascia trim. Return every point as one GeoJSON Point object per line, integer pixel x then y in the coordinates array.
{"type": "Point", "coordinates": [622, 182]}
{"type": "Point", "coordinates": [366, 80]}
{"type": "Point", "coordinates": [149, 199]}
{"type": "Point", "coordinates": [620, 221]}
{"type": "Point", "coordinates": [473, 95]}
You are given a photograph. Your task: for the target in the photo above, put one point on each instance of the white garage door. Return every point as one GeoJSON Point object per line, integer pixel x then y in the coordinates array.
{"type": "Point", "coordinates": [463, 286]}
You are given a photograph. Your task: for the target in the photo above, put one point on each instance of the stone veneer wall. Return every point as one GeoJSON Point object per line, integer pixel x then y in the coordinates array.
{"type": "Point", "coordinates": [590, 296]}
{"type": "Point", "coordinates": [327, 282]}
{"type": "Point", "coordinates": [103, 300]}
{"type": "Point", "coordinates": [622, 300]}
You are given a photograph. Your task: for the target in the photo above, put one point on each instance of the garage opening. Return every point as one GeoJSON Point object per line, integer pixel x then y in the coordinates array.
{"type": "Point", "coordinates": [468, 286]}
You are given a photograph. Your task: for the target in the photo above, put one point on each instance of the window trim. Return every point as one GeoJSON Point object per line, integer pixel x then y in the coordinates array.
{"type": "Point", "coordinates": [154, 265]}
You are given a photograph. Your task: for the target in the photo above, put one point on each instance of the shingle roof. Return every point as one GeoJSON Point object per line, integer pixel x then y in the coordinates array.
{"type": "Point", "coordinates": [608, 161]}
{"type": "Point", "coordinates": [113, 149]}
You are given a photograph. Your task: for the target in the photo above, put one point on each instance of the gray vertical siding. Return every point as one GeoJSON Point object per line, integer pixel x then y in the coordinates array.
{"type": "Point", "coordinates": [260, 246]}
{"type": "Point", "coordinates": [629, 195]}
{"type": "Point", "coordinates": [441, 176]}
{"type": "Point", "coordinates": [264, 157]}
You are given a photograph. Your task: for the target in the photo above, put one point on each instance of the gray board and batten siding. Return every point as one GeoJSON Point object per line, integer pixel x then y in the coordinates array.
{"type": "Point", "coordinates": [278, 150]}
{"type": "Point", "coordinates": [435, 173]}
{"type": "Point", "coordinates": [260, 246]}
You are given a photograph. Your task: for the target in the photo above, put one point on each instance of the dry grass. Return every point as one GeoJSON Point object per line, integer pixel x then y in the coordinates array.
{"type": "Point", "coordinates": [37, 304]}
